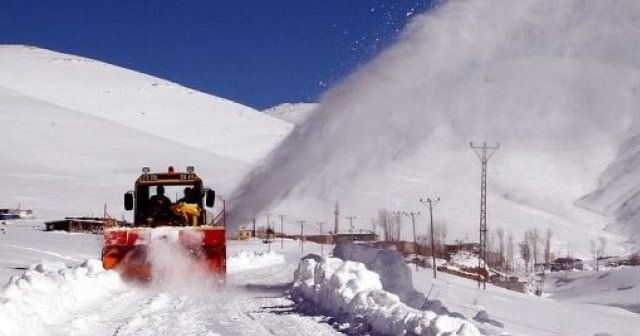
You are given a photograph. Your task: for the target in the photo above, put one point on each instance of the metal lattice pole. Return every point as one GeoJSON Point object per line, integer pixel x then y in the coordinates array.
{"type": "Point", "coordinates": [484, 153]}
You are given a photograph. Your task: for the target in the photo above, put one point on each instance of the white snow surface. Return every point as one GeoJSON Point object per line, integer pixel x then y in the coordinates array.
{"type": "Point", "coordinates": [53, 285]}
{"type": "Point", "coordinates": [464, 259]}
{"type": "Point", "coordinates": [246, 260]}
{"type": "Point", "coordinates": [144, 103]}
{"type": "Point", "coordinates": [350, 291]}
{"type": "Point", "coordinates": [394, 274]}
{"type": "Point", "coordinates": [294, 113]}
{"type": "Point", "coordinates": [555, 82]}
{"type": "Point", "coordinates": [65, 291]}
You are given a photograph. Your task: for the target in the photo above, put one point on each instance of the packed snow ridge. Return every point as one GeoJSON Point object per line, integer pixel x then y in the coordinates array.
{"type": "Point", "coordinates": [50, 292]}
{"type": "Point", "coordinates": [356, 296]}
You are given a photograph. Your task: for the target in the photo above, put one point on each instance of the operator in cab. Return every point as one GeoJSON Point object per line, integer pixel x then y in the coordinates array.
{"type": "Point", "coordinates": [159, 204]}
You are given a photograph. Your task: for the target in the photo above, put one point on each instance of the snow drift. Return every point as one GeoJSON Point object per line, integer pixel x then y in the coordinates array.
{"type": "Point", "coordinates": [392, 269]}
{"type": "Point", "coordinates": [354, 295]}
{"type": "Point", "coordinates": [48, 292]}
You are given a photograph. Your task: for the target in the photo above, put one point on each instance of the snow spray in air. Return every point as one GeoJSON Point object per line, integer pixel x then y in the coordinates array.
{"type": "Point", "coordinates": [527, 73]}
{"type": "Point", "coordinates": [172, 266]}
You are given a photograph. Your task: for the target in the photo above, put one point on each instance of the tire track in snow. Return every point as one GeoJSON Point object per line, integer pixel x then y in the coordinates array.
{"type": "Point", "coordinates": [146, 311]}
{"type": "Point", "coordinates": [58, 255]}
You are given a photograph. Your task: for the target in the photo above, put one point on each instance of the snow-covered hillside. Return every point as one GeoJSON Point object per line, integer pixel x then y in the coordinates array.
{"type": "Point", "coordinates": [77, 131]}
{"type": "Point", "coordinates": [293, 113]}
{"type": "Point", "coordinates": [618, 192]}
{"type": "Point", "coordinates": [62, 162]}
{"type": "Point", "coordinates": [141, 102]}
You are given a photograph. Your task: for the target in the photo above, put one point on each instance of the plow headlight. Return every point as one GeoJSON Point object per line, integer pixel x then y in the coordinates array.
{"type": "Point", "coordinates": [190, 169]}
{"type": "Point", "coordinates": [145, 170]}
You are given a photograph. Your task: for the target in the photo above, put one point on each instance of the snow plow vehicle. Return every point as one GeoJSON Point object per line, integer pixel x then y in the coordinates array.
{"type": "Point", "coordinates": [184, 225]}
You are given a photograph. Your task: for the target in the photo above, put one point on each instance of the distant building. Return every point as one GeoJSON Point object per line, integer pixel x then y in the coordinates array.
{"type": "Point", "coordinates": [243, 234]}
{"type": "Point", "coordinates": [82, 224]}
{"type": "Point", "coordinates": [566, 264]}
{"type": "Point", "coordinates": [355, 237]}
{"type": "Point", "coordinates": [320, 239]}
{"type": "Point", "coordinates": [7, 214]}
{"type": "Point", "coordinates": [25, 213]}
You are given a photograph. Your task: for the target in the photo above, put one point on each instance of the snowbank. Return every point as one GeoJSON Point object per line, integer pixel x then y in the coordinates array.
{"type": "Point", "coordinates": [355, 296]}
{"type": "Point", "coordinates": [615, 287]}
{"type": "Point", "coordinates": [464, 259]}
{"type": "Point", "coordinates": [394, 273]}
{"type": "Point", "coordinates": [47, 292]}
{"type": "Point", "coordinates": [246, 260]}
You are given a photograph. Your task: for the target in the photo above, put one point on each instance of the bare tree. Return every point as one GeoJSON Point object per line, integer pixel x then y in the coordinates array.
{"type": "Point", "coordinates": [439, 234]}
{"type": "Point", "coordinates": [374, 226]}
{"type": "Point", "coordinates": [390, 224]}
{"type": "Point", "coordinates": [443, 237]}
{"type": "Point", "coordinates": [533, 237]}
{"type": "Point", "coordinates": [510, 253]}
{"type": "Point", "coordinates": [603, 246]}
{"type": "Point", "coordinates": [384, 223]}
{"type": "Point", "coordinates": [500, 234]}
{"type": "Point", "coordinates": [547, 248]}
{"type": "Point", "coordinates": [525, 252]}
{"type": "Point", "coordinates": [397, 218]}
{"type": "Point", "coordinates": [598, 248]}
{"type": "Point", "coordinates": [594, 252]}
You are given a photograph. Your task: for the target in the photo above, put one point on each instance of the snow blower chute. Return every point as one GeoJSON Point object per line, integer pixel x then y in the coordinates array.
{"type": "Point", "coordinates": [157, 219]}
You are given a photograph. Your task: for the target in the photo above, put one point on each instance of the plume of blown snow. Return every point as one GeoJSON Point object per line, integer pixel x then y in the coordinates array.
{"type": "Point", "coordinates": [531, 73]}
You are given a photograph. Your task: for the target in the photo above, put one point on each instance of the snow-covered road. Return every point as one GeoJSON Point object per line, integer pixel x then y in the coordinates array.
{"type": "Point", "coordinates": [62, 295]}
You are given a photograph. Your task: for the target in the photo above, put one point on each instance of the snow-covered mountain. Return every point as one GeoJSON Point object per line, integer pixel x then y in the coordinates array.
{"type": "Point", "coordinates": [77, 131]}
{"type": "Point", "coordinates": [293, 113]}
{"type": "Point", "coordinates": [140, 101]}
{"type": "Point", "coordinates": [618, 192]}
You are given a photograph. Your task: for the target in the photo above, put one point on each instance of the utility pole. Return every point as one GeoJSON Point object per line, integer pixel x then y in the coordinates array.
{"type": "Point", "coordinates": [224, 213]}
{"type": "Point", "coordinates": [281, 231]}
{"type": "Point", "coordinates": [336, 219]}
{"type": "Point", "coordinates": [351, 218]}
{"type": "Point", "coordinates": [433, 250]}
{"type": "Point", "coordinates": [415, 239]}
{"type": "Point", "coordinates": [484, 153]}
{"type": "Point", "coordinates": [269, 230]}
{"type": "Point", "coordinates": [396, 217]}
{"type": "Point", "coordinates": [321, 239]}
{"type": "Point", "coordinates": [254, 228]}
{"type": "Point", "coordinates": [301, 222]}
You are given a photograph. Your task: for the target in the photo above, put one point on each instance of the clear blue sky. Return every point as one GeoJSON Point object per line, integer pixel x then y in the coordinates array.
{"type": "Point", "coordinates": [258, 53]}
